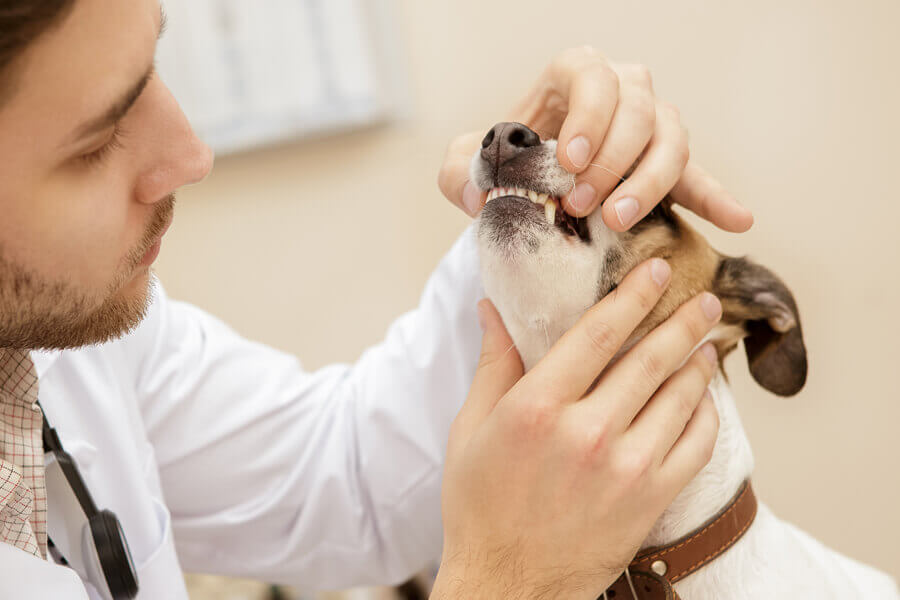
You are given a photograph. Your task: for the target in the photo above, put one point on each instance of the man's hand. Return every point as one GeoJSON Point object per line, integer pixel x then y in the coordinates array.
{"type": "Point", "coordinates": [552, 482]}
{"type": "Point", "coordinates": [607, 120]}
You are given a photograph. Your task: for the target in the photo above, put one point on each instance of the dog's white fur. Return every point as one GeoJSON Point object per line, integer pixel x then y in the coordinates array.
{"type": "Point", "coordinates": [540, 294]}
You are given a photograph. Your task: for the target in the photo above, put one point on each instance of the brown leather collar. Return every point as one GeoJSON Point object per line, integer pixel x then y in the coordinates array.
{"type": "Point", "coordinates": [653, 571]}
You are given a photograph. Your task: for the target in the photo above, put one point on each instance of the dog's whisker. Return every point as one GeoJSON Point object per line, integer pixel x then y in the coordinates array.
{"type": "Point", "coordinates": [610, 171]}
{"type": "Point", "coordinates": [631, 584]}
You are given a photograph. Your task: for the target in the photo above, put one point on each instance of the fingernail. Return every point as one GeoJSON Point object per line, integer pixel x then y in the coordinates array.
{"type": "Point", "coordinates": [711, 306]}
{"type": "Point", "coordinates": [583, 196]}
{"type": "Point", "coordinates": [579, 151]}
{"type": "Point", "coordinates": [709, 351]}
{"type": "Point", "coordinates": [626, 209]}
{"type": "Point", "coordinates": [660, 272]}
{"type": "Point", "coordinates": [471, 199]}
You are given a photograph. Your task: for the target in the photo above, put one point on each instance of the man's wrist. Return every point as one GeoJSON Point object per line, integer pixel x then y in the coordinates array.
{"type": "Point", "coordinates": [455, 585]}
{"type": "Point", "coordinates": [476, 573]}
{"type": "Point", "coordinates": [462, 579]}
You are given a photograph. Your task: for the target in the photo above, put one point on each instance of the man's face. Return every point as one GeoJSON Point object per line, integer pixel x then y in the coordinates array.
{"type": "Point", "coordinates": [84, 200]}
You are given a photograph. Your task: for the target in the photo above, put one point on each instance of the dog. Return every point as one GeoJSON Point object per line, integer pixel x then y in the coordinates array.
{"type": "Point", "coordinates": [543, 268]}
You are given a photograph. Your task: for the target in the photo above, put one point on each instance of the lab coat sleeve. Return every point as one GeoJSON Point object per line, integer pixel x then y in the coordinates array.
{"type": "Point", "coordinates": [322, 479]}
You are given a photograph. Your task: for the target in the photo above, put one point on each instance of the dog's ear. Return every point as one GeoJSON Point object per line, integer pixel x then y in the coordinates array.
{"type": "Point", "coordinates": [757, 300]}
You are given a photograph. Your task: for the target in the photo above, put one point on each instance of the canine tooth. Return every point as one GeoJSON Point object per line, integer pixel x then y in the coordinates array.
{"type": "Point", "coordinates": [550, 212]}
{"type": "Point", "coordinates": [542, 198]}
{"type": "Point", "coordinates": [532, 195]}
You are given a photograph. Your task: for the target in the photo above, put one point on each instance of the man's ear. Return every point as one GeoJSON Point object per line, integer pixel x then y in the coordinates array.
{"type": "Point", "coordinates": [756, 299]}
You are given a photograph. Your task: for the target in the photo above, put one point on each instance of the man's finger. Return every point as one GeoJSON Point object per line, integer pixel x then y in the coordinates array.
{"type": "Point", "coordinates": [499, 368]}
{"type": "Point", "coordinates": [663, 419]}
{"type": "Point", "coordinates": [693, 449]}
{"type": "Point", "coordinates": [644, 368]}
{"type": "Point", "coordinates": [579, 356]}
{"type": "Point", "coordinates": [628, 135]}
{"type": "Point", "coordinates": [700, 193]}
{"type": "Point", "coordinates": [453, 178]}
{"type": "Point", "coordinates": [592, 95]}
{"type": "Point", "coordinates": [656, 173]}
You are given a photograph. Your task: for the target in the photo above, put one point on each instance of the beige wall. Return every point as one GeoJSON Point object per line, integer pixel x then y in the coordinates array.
{"type": "Point", "coordinates": [315, 247]}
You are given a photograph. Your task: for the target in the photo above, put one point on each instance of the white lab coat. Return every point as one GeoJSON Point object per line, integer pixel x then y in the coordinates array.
{"type": "Point", "coordinates": [221, 455]}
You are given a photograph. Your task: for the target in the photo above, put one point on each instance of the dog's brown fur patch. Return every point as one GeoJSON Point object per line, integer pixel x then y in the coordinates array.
{"type": "Point", "coordinates": [666, 235]}
{"type": "Point", "coordinates": [756, 305]}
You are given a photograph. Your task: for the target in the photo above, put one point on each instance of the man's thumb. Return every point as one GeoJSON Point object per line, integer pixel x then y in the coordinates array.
{"type": "Point", "coordinates": [499, 368]}
{"type": "Point", "coordinates": [499, 356]}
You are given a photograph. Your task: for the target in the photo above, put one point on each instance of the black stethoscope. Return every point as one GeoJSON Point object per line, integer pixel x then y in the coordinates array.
{"type": "Point", "coordinates": [106, 543]}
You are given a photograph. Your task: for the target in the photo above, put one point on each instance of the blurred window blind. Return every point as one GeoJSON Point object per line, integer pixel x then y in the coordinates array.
{"type": "Point", "coordinates": [254, 73]}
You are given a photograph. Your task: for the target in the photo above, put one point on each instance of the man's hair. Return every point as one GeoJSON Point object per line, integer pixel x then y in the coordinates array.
{"type": "Point", "coordinates": [21, 22]}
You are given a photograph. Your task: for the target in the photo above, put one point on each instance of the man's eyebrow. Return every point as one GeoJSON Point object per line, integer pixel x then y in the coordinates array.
{"type": "Point", "coordinates": [118, 110]}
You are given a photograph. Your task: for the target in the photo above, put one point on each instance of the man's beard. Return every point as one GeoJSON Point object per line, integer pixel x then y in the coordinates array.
{"type": "Point", "coordinates": [40, 314]}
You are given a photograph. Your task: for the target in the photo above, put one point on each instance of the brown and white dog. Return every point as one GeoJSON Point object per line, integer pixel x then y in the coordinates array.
{"type": "Point", "coordinates": [543, 269]}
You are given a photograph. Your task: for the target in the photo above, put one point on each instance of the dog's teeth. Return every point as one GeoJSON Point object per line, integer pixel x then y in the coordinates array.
{"type": "Point", "coordinates": [532, 195]}
{"type": "Point", "coordinates": [522, 193]}
{"type": "Point", "coordinates": [550, 211]}
{"type": "Point", "coordinates": [542, 198]}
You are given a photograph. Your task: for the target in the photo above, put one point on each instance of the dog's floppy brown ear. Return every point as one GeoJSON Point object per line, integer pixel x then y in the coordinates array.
{"type": "Point", "coordinates": [754, 297]}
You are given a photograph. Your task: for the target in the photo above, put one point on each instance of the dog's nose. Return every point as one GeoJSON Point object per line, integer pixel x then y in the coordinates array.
{"type": "Point", "coordinates": [507, 140]}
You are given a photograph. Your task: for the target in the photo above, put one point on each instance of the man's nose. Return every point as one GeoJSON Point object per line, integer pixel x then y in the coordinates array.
{"type": "Point", "coordinates": [506, 140]}
{"type": "Point", "coordinates": [190, 162]}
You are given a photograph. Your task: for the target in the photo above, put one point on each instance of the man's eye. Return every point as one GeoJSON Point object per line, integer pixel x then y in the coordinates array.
{"type": "Point", "coordinates": [101, 153]}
